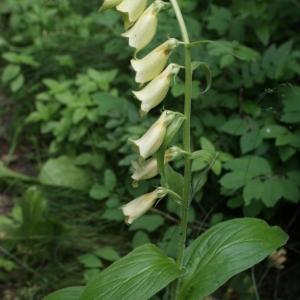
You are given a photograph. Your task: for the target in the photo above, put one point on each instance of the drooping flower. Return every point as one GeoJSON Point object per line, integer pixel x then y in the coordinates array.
{"type": "Point", "coordinates": [137, 207]}
{"type": "Point", "coordinates": [150, 142]}
{"type": "Point", "coordinates": [142, 32]}
{"type": "Point", "coordinates": [156, 90]}
{"type": "Point", "coordinates": [152, 64]}
{"type": "Point", "coordinates": [149, 167]}
{"type": "Point", "coordinates": [132, 10]}
{"type": "Point", "coordinates": [109, 4]}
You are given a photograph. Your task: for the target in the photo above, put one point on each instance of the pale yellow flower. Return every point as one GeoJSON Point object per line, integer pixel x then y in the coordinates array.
{"type": "Point", "coordinates": [142, 32]}
{"type": "Point", "coordinates": [152, 64]}
{"type": "Point", "coordinates": [149, 167]}
{"type": "Point", "coordinates": [156, 91]}
{"type": "Point", "coordinates": [137, 207]}
{"type": "Point", "coordinates": [150, 142]}
{"type": "Point", "coordinates": [109, 4]}
{"type": "Point", "coordinates": [132, 9]}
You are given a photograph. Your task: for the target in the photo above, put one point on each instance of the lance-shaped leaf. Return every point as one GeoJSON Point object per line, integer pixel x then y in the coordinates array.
{"type": "Point", "coordinates": [207, 72]}
{"type": "Point", "coordinates": [70, 293]}
{"type": "Point", "coordinates": [138, 275]}
{"type": "Point", "coordinates": [225, 250]}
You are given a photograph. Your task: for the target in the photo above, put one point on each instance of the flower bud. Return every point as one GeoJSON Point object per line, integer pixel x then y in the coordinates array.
{"type": "Point", "coordinates": [156, 90]}
{"type": "Point", "coordinates": [109, 4]}
{"type": "Point", "coordinates": [142, 32]}
{"type": "Point", "coordinates": [150, 142]}
{"type": "Point", "coordinates": [132, 10]}
{"type": "Point", "coordinates": [149, 167]}
{"type": "Point", "coordinates": [152, 64]}
{"type": "Point", "coordinates": [137, 207]}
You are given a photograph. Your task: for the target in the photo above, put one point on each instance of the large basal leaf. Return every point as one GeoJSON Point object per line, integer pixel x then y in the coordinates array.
{"type": "Point", "coordinates": [225, 250]}
{"type": "Point", "coordinates": [138, 275]}
{"type": "Point", "coordinates": [70, 293]}
{"type": "Point", "coordinates": [62, 172]}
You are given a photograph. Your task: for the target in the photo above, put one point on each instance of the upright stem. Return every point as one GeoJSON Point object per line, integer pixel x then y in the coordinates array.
{"type": "Point", "coordinates": [186, 144]}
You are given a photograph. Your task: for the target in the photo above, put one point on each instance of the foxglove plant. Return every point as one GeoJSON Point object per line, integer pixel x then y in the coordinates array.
{"type": "Point", "coordinates": [222, 251]}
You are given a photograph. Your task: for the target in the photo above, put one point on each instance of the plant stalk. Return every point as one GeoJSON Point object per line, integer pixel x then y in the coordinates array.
{"type": "Point", "coordinates": [186, 146]}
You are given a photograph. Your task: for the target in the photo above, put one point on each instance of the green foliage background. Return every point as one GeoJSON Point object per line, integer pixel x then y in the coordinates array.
{"type": "Point", "coordinates": [66, 70]}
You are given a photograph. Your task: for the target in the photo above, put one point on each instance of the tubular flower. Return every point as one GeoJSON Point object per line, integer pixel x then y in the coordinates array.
{"type": "Point", "coordinates": [149, 168]}
{"type": "Point", "coordinates": [109, 4]}
{"type": "Point", "coordinates": [150, 142]}
{"type": "Point", "coordinates": [152, 64]}
{"type": "Point", "coordinates": [132, 10]}
{"type": "Point", "coordinates": [142, 32]}
{"type": "Point", "coordinates": [156, 90]}
{"type": "Point", "coordinates": [137, 207]}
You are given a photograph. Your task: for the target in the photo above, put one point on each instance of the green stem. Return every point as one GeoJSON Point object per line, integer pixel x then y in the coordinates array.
{"type": "Point", "coordinates": [186, 144]}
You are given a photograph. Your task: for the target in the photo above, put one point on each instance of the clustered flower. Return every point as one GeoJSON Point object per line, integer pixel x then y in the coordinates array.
{"type": "Point", "coordinates": [140, 24]}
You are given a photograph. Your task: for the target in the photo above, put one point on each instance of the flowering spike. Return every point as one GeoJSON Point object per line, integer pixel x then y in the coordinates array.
{"type": "Point", "coordinates": [142, 32]}
{"type": "Point", "coordinates": [156, 90]}
{"type": "Point", "coordinates": [137, 207]}
{"type": "Point", "coordinates": [149, 167]}
{"type": "Point", "coordinates": [132, 10]}
{"type": "Point", "coordinates": [150, 142]}
{"type": "Point", "coordinates": [152, 64]}
{"type": "Point", "coordinates": [109, 4]}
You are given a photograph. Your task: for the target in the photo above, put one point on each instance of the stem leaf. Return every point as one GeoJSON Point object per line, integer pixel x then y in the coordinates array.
{"type": "Point", "coordinates": [223, 251]}
{"type": "Point", "coordinates": [139, 275]}
{"type": "Point", "coordinates": [69, 293]}
{"type": "Point", "coordinates": [207, 72]}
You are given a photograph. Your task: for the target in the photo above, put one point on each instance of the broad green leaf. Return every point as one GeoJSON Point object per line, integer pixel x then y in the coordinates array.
{"type": "Point", "coordinates": [216, 167]}
{"type": "Point", "coordinates": [235, 127]}
{"type": "Point", "coordinates": [290, 190]}
{"type": "Point", "coordinates": [225, 250]}
{"type": "Point", "coordinates": [286, 152]}
{"type": "Point", "coordinates": [107, 253]}
{"type": "Point", "coordinates": [253, 209]}
{"type": "Point", "coordinates": [272, 131]}
{"type": "Point", "coordinates": [294, 176]}
{"type": "Point", "coordinates": [140, 238]}
{"type": "Point", "coordinates": [272, 192]}
{"type": "Point", "coordinates": [263, 33]}
{"type": "Point", "coordinates": [206, 144]}
{"type": "Point", "coordinates": [10, 72]}
{"type": "Point", "coordinates": [99, 192]}
{"type": "Point", "coordinates": [226, 60]}
{"type": "Point", "coordinates": [252, 164]}
{"type": "Point", "coordinates": [290, 117]}
{"type": "Point", "coordinates": [90, 260]}
{"type": "Point", "coordinates": [17, 83]}
{"type": "Point", "coordinates": [207, 72]}
{"type": "Point", "coordinates": [62, 172]}
{"type": "Point", "coordinates": [147, 222]}
{"type": "Point", "coordinates": [110, 179]}
{"type": "Point", "coordinates": [250, 141]}
{"type": "Point", "coordinates": [69, 293]}
{"type": "Point", "coordinates": [235, 179]}
{"type": "Point", "coordinates": [252, 190]}
{"type": "Point", "coordinates": [139, 275]}
{"type": "Point", "coordinates": [79, 114]}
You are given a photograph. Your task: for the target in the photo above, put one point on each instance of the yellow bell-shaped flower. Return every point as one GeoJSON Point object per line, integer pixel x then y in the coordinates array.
{"type": "Point", "coordinates": [142, 32]}
{"type": "Point", "coordinates": [137, 207]}
{"type": "Point", "coordinates": [149, 167]}
{"type": "Point", "coordinates": [156, 91]}
{"type": "Point", "coordinates": [152, 64]}
{"type": "Point", "coordinates": [109, 4]}
{"type": "Point", "coordinates": [150, 142]}
{"type": "Point", "coordinates": [132, 9]}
